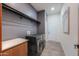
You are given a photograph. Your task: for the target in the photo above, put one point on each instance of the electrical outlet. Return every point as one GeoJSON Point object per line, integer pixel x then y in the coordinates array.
{"type": "Point", "coordinates": [28, 32]}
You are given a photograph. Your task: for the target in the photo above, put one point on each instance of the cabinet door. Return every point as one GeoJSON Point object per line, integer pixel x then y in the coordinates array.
{"type": "Point", "coordinates": [11, 52]}
{"type": "Point", "coordinates": [20, 50]}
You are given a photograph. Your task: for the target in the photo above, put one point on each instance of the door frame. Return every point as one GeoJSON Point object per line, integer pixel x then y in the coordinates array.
{"type": "Point", "coordinates": [78, 33]}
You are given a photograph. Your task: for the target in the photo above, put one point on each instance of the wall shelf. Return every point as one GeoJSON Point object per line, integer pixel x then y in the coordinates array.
{"type": "Point", "coordinates": [19, 13]}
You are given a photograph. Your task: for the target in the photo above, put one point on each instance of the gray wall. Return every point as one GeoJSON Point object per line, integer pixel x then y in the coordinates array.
{"type": "Point", "coordinates": [41, 18]}
{"type": "Point", "coordinates": [14, 26]}
{"type": "Point", "coordinates": [24, 8]}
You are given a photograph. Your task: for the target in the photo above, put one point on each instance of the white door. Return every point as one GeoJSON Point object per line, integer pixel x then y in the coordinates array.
{"type": "Point", "coordinates": [53, 27]}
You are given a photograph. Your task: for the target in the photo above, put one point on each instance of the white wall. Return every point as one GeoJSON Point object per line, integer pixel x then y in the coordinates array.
{"type": "Point", "coordinates": [68, 41]}
{"type": "Point", "coordinates": [55, 28]}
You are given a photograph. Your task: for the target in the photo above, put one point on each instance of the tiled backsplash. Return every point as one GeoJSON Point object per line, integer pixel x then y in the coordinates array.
{"type": "Point", "coordinates": [14, 26]}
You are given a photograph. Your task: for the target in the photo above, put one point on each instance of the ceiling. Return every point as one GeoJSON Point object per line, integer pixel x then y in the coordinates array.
{"type": "Point", "coordinates": [47, 7]}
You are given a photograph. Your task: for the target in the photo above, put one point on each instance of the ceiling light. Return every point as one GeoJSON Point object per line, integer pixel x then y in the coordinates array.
{"type": "Point", "coordinates": [52, 8]}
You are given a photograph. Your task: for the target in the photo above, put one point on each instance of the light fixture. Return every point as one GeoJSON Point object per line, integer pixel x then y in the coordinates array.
{"type": "Point", "coordinates": [52, 8]}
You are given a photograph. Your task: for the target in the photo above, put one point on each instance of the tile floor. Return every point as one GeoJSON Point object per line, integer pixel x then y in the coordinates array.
{"type": "Point", "coordinates": [53, 49]}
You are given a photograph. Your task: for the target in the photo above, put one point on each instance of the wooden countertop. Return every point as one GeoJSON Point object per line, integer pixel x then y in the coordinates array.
{"type": "Point", "coordinates": [11, 43]}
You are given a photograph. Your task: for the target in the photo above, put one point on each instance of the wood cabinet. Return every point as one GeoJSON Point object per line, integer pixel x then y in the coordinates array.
{"type": "Point", "coordinates": [19, 50]}
{"type": "Point", "coordinates": [0, 26]}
